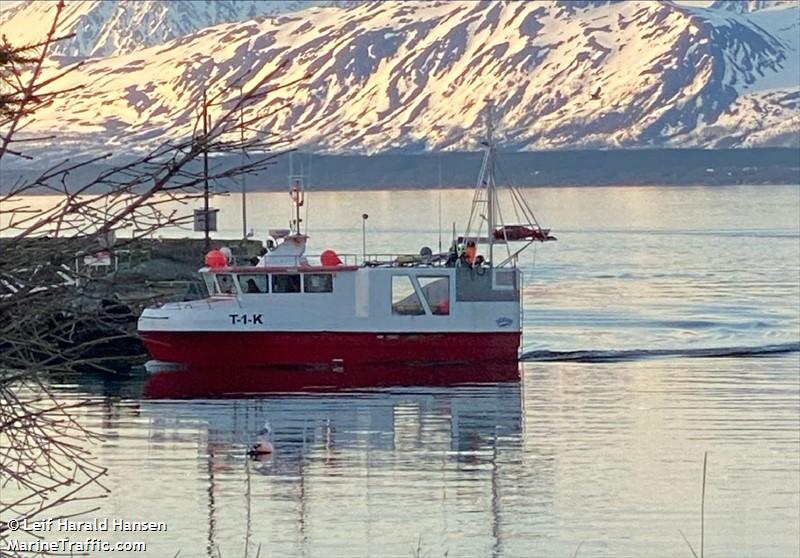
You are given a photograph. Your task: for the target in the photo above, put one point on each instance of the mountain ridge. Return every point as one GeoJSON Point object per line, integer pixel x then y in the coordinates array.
{"type": "Point", "coordinates": [393, 76]}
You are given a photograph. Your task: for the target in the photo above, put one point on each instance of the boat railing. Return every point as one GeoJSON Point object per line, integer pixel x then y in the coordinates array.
{"type": "Point", "coordinates": [382, 259]}
{"type": "Point", "coordinates": [386, 259]}
{"type": "Point", "coordinates": [402, 260]}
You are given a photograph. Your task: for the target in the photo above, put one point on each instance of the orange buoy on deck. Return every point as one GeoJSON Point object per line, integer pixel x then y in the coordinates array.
{"type": "Point", "coordinates": [215, 258]}
{"type": "Point", "coordinates": [329, 257]}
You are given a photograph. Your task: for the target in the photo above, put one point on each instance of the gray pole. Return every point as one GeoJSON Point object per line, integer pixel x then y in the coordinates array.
{"type": "Point", "coordinates": [205, 171]}
{"type": "Point", "coordinates": [440, 202]}
{"type": "Point", "coordinates": [364, 218]}
{"type": "Point", "coordinates": [244, 186]}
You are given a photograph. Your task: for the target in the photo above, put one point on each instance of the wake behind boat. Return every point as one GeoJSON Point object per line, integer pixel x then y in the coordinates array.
{"type": "Point", "coordinates": [332, 310]}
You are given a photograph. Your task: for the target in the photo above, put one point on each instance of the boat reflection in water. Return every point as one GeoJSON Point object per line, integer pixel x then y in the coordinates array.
{"type": "Point", "coordinates": [179, 381]}
{"type": "Point", "coordinates": [333, 441]}
{"type": "Point", "coordinates": [235, 403]}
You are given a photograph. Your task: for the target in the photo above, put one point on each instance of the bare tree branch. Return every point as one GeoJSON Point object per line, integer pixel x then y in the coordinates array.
{"type": "Point", "coordinates": [57, 316]}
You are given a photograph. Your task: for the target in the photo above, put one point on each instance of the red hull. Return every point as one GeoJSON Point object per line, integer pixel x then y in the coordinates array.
{"type": "Point", "coordinates": [281, 349]}
{"type": "Point", "coordinates": [195, 381]}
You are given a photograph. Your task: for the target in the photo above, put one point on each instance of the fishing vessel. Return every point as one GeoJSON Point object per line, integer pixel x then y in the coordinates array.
{"type": "Point", "coordinates": [333, 310]}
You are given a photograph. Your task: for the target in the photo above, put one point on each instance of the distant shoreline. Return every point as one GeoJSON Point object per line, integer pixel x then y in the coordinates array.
{"type": "Point", "coordinates": [588, 168]}
{"type": "Point", "coordinates": [283, 189]}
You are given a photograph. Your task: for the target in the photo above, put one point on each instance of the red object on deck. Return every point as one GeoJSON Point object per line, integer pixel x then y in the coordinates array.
{"type": "Point", "coordinates": [265, 348]}
{"type": "Point", "coordinates": [330, 258]}
{"type": "Point", "coordinates": [215, 258]}
{"type": "Point", "coordinates": [521, 232]}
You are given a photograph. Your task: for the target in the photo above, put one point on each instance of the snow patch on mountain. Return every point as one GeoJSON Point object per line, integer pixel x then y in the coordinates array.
{"type": "Point", "coordinates": [107, 28]}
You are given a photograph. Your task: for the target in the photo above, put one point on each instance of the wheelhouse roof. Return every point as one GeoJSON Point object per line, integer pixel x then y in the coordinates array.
{"type": "Point", "coordinates": [255, 270]}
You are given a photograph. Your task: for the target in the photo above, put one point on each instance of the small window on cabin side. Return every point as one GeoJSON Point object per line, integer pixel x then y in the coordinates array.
{"type": "Point", "coordinates": [253, 284]}
{"type": "Point", "coordinates": [505, 279]}
{"type": "Point", "coordinates": [318, 282]}
{"type": "Point", "coordinates": [436, 291]}
{"type": "Point", "coordinates": [286, 283]}
{"type": "Point", "coordinates": [405, 301]}
{"type": "Point", "coordinates": [226, 284]}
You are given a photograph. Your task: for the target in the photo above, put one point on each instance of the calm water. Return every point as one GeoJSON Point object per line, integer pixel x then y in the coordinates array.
{"type": "Point", "coordinates": [664, 323]}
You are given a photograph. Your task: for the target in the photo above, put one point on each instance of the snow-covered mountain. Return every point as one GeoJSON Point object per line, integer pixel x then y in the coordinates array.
{"type": "Point", "coordinates": [413, 76]}
{"type": "Point", "coordinates": [751, 6]}
{"type": "Point", "coordinates": [107, 28]}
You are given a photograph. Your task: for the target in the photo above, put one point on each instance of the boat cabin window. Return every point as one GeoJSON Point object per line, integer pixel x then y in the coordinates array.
{"type": "Point", "coordinates": [505, 279]}
{"type": "Point", "coordinates": [405, 301]}
{"type": "Point", "coordinates": [436, 291]}
{"type": "Point", "coordinates": [253, 284]}
{"type": "Point", "coordinates": [225, 283]}
{"type": "Point", "coordinates": [211, 284]}
{"type": "Point", "coordinates": [318, 282]}
{"type": "Point", "coordinates": [286, 283]}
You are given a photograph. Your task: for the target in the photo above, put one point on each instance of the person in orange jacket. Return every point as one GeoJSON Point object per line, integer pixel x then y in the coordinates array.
{"type": "Point", "coordinates": [471, 252]}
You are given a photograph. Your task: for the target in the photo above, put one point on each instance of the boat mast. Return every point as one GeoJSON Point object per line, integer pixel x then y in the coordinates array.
{"type": "Point", "coordinates": [485, 202]}
{"type": "Point", "coordinates": [491, 195]}
{"type": "Point", "coordinates": [296, 193]}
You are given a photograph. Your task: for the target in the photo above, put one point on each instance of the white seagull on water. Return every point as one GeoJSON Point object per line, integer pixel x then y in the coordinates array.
{"type": "Point", "coordinates": [263, 445]}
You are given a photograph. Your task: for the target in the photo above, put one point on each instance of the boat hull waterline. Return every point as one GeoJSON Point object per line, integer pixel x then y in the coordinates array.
{"type": "Point", "coordinates": [334, 349]}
